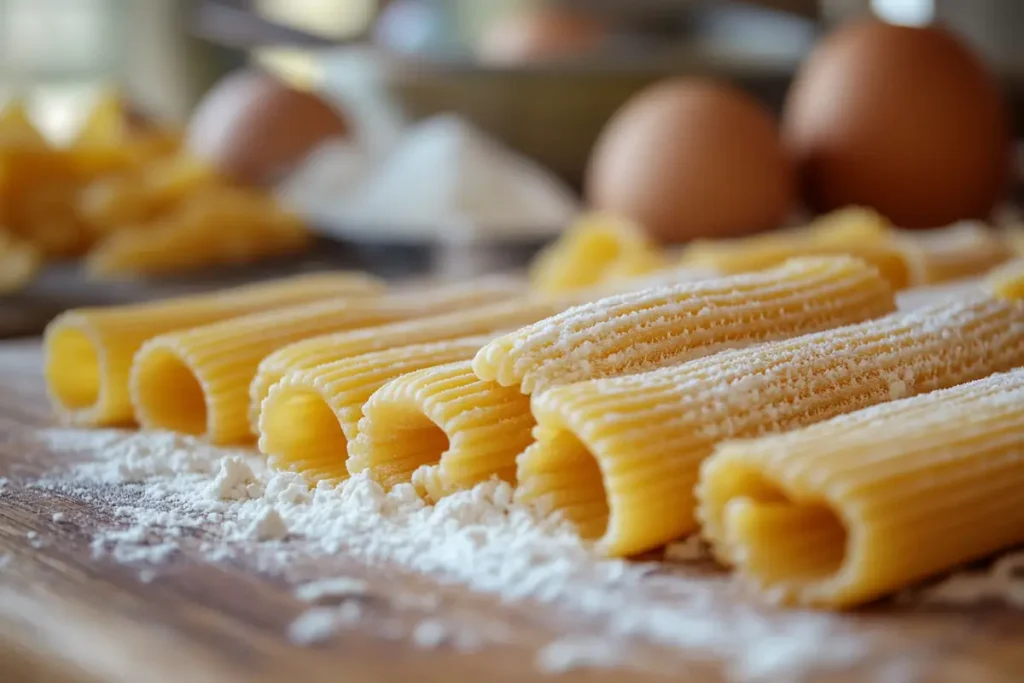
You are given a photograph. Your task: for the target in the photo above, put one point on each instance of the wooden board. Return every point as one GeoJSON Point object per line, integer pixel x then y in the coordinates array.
{"type": "Point", "coordinates": [65, 616]}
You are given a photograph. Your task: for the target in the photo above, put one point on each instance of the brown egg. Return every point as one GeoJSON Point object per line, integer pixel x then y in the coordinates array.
{"type": "Point", "coordinates": [904, 120]}
{"type": "Point", "coordinates": [692, 158]}
{"type": "Point", "coordinates": [254, 128]}
{"type": "Point", "coordinates": [541, 34]}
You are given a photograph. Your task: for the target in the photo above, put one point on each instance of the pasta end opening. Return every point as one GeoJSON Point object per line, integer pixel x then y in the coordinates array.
{"type": "Point", "coordinates": [300, 432]}
{"type": "Point", "coordinates": [784, 544]}
{"type": "Point", "coordinates": [74, 369]}
{"type": "Point", "coordinates": [565, 476]}
{"type": "Point", "coordinates": [410, 441]}
{"type": "Point", "coordinates": [168, 395]}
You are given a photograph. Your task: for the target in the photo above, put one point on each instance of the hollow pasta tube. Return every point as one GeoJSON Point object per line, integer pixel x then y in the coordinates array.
{"type": "Point", "coordinates": [309, 416]}
{"type": "Point", "coordinates": [848, 510]}
{"type": "Point", "coordinates": [197, 381]}
{"type": "Point", "coordinates": [88, 351]}
{"type": "Point", "coordinates": [620, 457]}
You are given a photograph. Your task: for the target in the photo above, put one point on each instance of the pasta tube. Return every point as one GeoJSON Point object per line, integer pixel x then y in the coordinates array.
{"type": "Point", "coordinates": [853, 231]}
{"type": "Point", "coordinates": [959, 251]}
{"type": "Point", "coordinates": [488, 423]}
{"type": "Point", "coordinates": [197, 381]}
{"type": "Point", "coordinates": [1008, 281]}
{"type": "Point", "coordinates": [848, 510]}
{"type": "Point", "coordinates": [309, 416]}
{"type": "Point", "coordinates": [88, 351]}
{"type": "Point", "coordinates": [644, 330]}
{"type": "Point", "coordinates": [315, 351]}
{"type": "Point", "coordinates": [598, 248]}
{"type": "Point", "coordinates": [444, 416]}
{"type": "Point", "coordinates": [620, 457]}
{"type": "Point", "coordinates": [19, 262]}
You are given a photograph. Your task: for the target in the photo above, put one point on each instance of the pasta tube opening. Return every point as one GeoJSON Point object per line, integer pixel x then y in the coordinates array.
{"type": "Point", "coordinates": [168, 394]}
{"type": "Point", "coordinates": [784, 540]}
{"type": "Point", "coordinates": [566, 479]}
{"type": "Point", "coordinates": [301, 432]}
{"type": "Point", "coordinates": [395, 441]}
{"type": "Point", "coordinates": [74, 368]}
{"type": "Point", "coordinates": [485, 426]}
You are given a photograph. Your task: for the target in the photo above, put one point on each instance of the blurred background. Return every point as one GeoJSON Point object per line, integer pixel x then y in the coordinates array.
{"type": "Point", "coordinates": [459, 138]}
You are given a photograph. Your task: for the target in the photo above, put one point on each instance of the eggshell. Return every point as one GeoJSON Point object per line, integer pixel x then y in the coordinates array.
{"type": "Point", "coordinates": [905, 120]}
{"type": "Point", "coordinates": [690, 158]}
{"type": "Point", "coordinates": [254, 128]}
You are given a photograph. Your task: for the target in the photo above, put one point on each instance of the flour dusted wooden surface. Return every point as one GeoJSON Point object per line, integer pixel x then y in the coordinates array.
{"type": "Point", "coordinates": [65, 616]}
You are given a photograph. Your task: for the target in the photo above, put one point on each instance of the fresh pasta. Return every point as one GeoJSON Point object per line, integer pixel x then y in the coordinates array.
{"type": "Point", "coordinates": [620, 456]}
{"type": "Point", "coordinates": [457, 428]}
{"type": "Point", "coordinates": [644, 330]}
{"type": "Point", "coordinates": [309, 353]}
{"type": "Point", "coordinates": [959, 251]}
{"type": "Point", "coordinates": [309, 417]}
{"type": "Point", "coordinates": [846, 511]}
{"type": "Point", "coordinates": [852, 231]}
{"type": "Point", "coordinates": [197, 381]}
{"type": "Point", "coordinates": [597, 249]}
{"type": "Point", "coordinates": [88, 351]}
{"type": "Point", "coordinates": [487, 421]}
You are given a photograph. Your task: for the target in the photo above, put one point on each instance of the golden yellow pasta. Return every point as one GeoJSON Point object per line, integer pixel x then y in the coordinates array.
{"type": "Point", "coordinates": [445, 417]}
{"type": "Point", "coordinates": [216, 227]}
{"type": "Point", "coordinates": [309, 416]}
{"type": "Point", "coordinates": [845, 511]}
{"type": "Point", "coordinates": [620, 456]}
{"type": "Point", "coordinates": [19, 262]}
{"type": "Point", "coordinates": [1007, 281]}
{"type": "Point", "coordinates": [958, 251]}
{"type": "Point", "coordinates": [487, 424]}
{"type": "Point", "coordinates": [644, 330]}
{"type": "Point", "coordinates": [88, 351]}
{"type": "Point", "coordinates": [596, 249]}
{"type": "Point", "coordinates": [854, 231]}
{"type": "Point", "coordinates": [197, 381]}
{"type": "Point", "coordinates": [319, 350]}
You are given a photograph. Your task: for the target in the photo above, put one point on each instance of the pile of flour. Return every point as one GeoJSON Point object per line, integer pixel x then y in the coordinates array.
{"type": "Point", "coordinates": [172, 495]}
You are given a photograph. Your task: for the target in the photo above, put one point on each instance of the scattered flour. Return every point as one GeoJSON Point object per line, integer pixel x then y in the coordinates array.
{"type": "Point", "coordinates": [342, 586]}
{"type": "Point", "coordinates": [3, 484]}
{"type": "Point", "coordinates": [1002, 582]}
{"type": "Point", "coordinates": [170, 494]}
{"type": "Point", "coordinates": [58, 517]}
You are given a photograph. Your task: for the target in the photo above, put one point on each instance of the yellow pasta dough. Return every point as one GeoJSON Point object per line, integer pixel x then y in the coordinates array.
{"type": "Point", "coordinates": [958, 251]}
{"type": "Point", "coordinates": [853, 231]}
{"type": "Point", "coordinates": [197, 381]}
{"type": "Point", "coordinates": [309, 416]}
{"type": "Point", "coordinates": [88, 351]}
{"type": "Point", "coordinates": [644, 330]}
{"type": "Point", "coordinates": [487, 423]}
{"type": "Point", "coordinates": [319, 350]}
{"type": "Point", "coordinates": [598, 248]}
{"type": "Point", "coordinates": [620, 456]}
{"type": "Point", "coordinates": [845, 511]}
{"type": "Point", "coordinates": [442, 416]}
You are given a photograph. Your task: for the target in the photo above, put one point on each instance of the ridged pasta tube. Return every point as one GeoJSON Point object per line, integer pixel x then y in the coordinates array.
{"type": "Point", "coordinates": [319, 350]}
{"type": "Point", "coordinates": [88, 351]}
{"type": "Point", "coordinates": [197, 381]}
{"type": "Point", "coordinates": [845, 511]}
{"type": "Point", "coordinates": [1007, 281]}
{"type": "Point", "coordinates": [309, 416]}
{"type": "Point", "coordinates": [959, 251]}
{"type": "Point", "coordinates": [487, 423]}
{"type": "Point", "coordinates": [852, 231]}
{"type": "Point", "coordinates": [443, 416]}
{"type": "Point", "coordinates": [644, 330]}
{"type": "Point", "coordinates": [620, 457]}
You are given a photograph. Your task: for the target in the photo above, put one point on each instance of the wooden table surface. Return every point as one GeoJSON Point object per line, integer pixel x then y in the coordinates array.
{"type": "Point", "coordinates": [65, 616]}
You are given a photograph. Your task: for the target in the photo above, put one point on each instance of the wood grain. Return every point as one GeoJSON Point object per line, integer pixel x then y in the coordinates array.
{"type": "Point", "coordinates": [68, 617]}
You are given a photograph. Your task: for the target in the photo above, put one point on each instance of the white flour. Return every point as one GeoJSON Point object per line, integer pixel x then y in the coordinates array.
{"type": "Point", "coordinates": [172, 494]}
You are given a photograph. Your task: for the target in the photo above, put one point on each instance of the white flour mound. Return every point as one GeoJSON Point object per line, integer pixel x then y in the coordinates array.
{"type": "Point", "coordinates": [172, 494]}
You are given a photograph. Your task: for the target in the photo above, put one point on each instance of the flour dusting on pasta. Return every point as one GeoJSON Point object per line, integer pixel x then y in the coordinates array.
{"type": "Point", "coordinates": [170, 495]}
